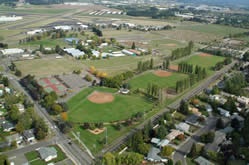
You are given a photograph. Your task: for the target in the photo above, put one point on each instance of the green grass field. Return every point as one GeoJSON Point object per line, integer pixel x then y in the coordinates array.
{"type": "Point", "coordinates": [117, 65]}
{"type": "Point", "coordinates": [149, 77]}
{"type": "Point", "coordinates": [207, 61]}
{"type": "Point", "coordinates": [212, 29]}
{"type": "Point", "coordinates": [123, 107]}
{"type": "Point", "coordinates": [46, 67]}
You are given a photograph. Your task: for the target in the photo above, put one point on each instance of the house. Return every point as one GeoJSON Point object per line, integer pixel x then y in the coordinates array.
{"type": "Point", "coordinates": [37, 31]}
{"type": "Point", "coordinates": [72, 40]}
{"type": "Point", "coordinates": [163, 143]}
{"type": "Point", "coordinates": [14, 138]}
{"type": "Point", "coordinates": [192, 119]}
{"type": "Point", "coordinates": [155, 141]}
{"type": "Point", "coordinates": [195, 111]}
{"type": "Point", "coordinates": [138, 53]}
{"type": "Point", "coordinates": [218, 98]}
{"type": "Point", "coordinates": [7, 90]}
{"type": "Point", "coordinates": [84, 27]}
{"type": "Point", "coordinates": [8, 126]}
{"type": "Point", "coordinates": [11, 51]}
{"type": "Point", "coordinates": [173, 134]}
{"type": "Point", "coordinates": [219, 138]}
{"type": "Point", "coordinates": [203, 161]}
{"type": "Point", "coordinates": [209, 108]}
{"type": "Point", "coordinates": [243, 100]}
{"type": "Point", "coordinates": [28, 135]}
{"type": "Point", "coordinates": [224, 112]}
{"type": "Point", "coordinates": [127, 52]}
{"type": "Point", "coordinates": [153, 155]}
{"type": "Point", "coordinates": [239, 118]}
{"type": "Point", "coordinates": [47, 153]}
{"type": "Point", "coordinates": [74, 52]}
{"type": "Point", "coordinates": [64, 28]}
{"type": "Point", "coordinates": [183, 127]}
{"type": "Point", "coordinates": [20, 107]}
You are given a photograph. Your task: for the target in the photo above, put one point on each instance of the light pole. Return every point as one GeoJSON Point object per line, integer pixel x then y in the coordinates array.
{"type": "Point", "coordinates": [106, 135]}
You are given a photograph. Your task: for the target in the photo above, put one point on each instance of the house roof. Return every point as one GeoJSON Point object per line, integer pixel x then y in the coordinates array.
{"type": "Point", "coordinates": [183, 127]}
{"type": "Point", "coordinates": [29, 133]}
{"type": "Point", "coordinates": [238, 117]}
{"type": "Point", "coordinates": [173, 134]}
{"type": "Point", "coordinates": [153, 154]}
{"type": "Point", "coordinates": [192, 119]}
{"type": "Point", "coordinates": [74, 52]}
{"type": "Point", "coordinates": [47, 151]}
{"type": "Point", "coordinates": [163, 143]}
{"type": "Point", "coordinates": [203, 161]}
{"type": "Point", "coordinates": [8, 125]}
{"type": "Point", "coordinates": [155, 140]}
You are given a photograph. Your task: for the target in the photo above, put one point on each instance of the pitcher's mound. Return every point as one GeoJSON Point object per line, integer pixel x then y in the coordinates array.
{"type": "Point", "coordinates": [101, 97]}
{"type": "Point", "coordinates": [162, 73]}
{"type": "Point", "coordinates": [205, 55]}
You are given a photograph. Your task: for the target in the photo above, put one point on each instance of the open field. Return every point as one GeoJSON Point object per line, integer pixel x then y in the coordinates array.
{"type": "Point", "coordinates": [117, 65]}
{"type": "Point", "coordinates": [219, 30]}
{"type": "Point", "coordinates": [49, 66]}
{"type": "Point", "coordinates": [203, 61]}
{"type": "Point", "coordinates": [33, 9]}
{"type": "Point", "coordinates": [124, 106]}
{"type": "Point", "coordinates": [149, 77]}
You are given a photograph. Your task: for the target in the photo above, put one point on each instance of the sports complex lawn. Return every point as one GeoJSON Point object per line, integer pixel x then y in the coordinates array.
{"type": "Point", "coordinates": [124, 106]}
{"type": "Point", "coordinates": [149, 77]}
{"type": "Point", "coordinates": [204, 61]}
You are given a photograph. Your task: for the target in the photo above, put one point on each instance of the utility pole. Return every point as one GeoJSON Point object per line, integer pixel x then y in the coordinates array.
{"type": "Point", "coordinates": [106, 135]}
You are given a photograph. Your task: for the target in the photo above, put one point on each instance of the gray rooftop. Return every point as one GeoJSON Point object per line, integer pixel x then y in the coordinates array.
{"type": "Point", "coordinates": [28, 133]}
{"type": "Point", "coordinates": [47, 151]}
{"type": "Point", "coordinates": [203, 161]}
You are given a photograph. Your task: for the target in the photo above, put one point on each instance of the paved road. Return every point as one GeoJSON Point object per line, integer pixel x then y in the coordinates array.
{"type": "Point", "coordinates": [73, 151]}
{"type": "Point", "coordinates": [116, 144]}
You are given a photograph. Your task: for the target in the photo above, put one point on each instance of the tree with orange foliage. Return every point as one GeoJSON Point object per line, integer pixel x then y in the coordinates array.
{"type": "Point", "coordinates": [92, 69]}
{"type": "Point", "coordinates": [181, 137]}
{"type": "Point", "coordinates": [64, 116]}
{"type": "Point", "coordinates": [195, 101]}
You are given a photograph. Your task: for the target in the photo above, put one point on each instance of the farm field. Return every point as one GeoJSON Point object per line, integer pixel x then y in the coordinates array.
{"type": "Point", "coordinates": [219, 30]}
{"type": "Point", "coordinates": [149, 77]}
{"type": "Point", "coordinates": [122, 107]}
{"type": "Point", "coordinates": [48, 66]}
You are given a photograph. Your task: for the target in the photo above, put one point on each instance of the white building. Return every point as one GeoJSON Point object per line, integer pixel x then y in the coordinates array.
{"type": "Point", "coordinates": [37, 31]}
{"type": "Point", "coordinates": [74, 52]}
{"type": "Point", "coordinates": [64, 27]}
{"type": "Point", "coordinates": [243, 100]}
{"type": "Point", "coordinates": [11, 51]}
{"type": "Point", "coordinates": [10, 19]}
{"type": "Point", "coordinates": [84, 27]}
{"type": "Point", "coordinates": [127, 52]}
